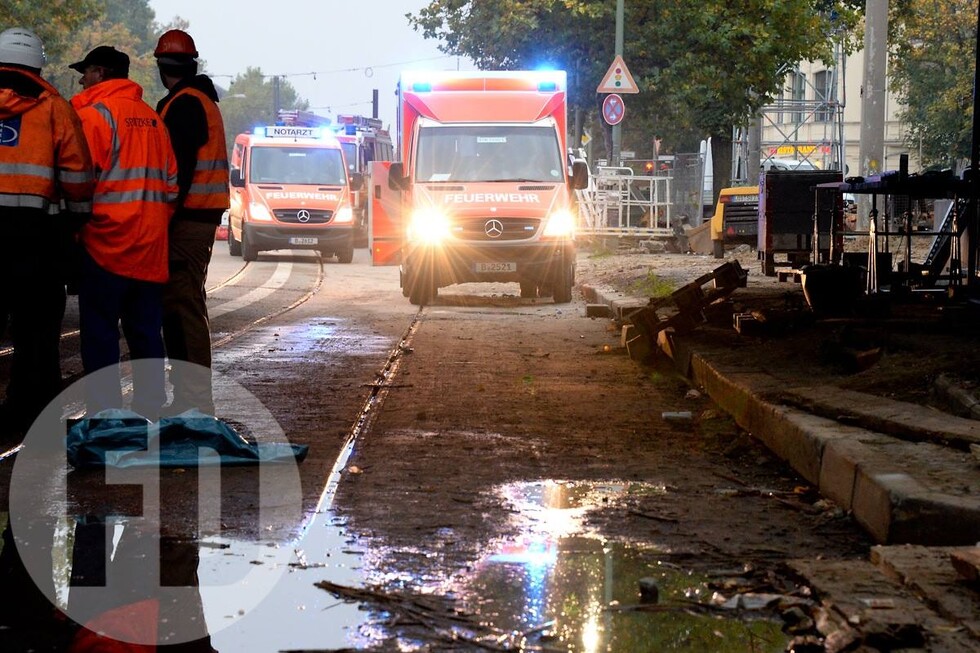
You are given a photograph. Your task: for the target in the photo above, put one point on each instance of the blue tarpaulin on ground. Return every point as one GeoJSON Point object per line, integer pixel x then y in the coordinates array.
{"type": "Point", "coordinates": [121, 438]}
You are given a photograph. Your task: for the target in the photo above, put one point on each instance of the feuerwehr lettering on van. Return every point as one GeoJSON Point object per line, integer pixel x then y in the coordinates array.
{"type": "Point", "coordinates": [292, 195]}
{"type": "Point", "coordinates": [480, 198]}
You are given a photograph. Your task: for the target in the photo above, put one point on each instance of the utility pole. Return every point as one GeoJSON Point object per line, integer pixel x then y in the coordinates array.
{"type": "Point", "coordinates": [276, 102]}
{"type": "Point", "coordinates": [973, 224]}
{"type": "Point", "coordinates": [872, 147]}
{"type": "Point", "coordinates": [617, 133]}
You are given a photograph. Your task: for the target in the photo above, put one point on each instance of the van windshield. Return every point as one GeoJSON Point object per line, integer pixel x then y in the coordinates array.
{"type": "Point", "coordinates": [350, 155]}
{"type": "Point", "coordinates": [488, 153]}
{"type": "Point", "coordinates": [319, 166]}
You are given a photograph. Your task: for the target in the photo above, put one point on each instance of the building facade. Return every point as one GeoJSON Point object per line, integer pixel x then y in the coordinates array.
{"type": "Point", "coordinates": [817, 118]}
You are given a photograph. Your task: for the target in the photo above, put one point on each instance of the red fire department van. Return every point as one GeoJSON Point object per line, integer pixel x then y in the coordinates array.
{"type": "Point", "coordinates": [484, 189]}
{"type": "Point", "coordinates": [290, 189]}
{"type": "Point", "coordinates": [364, 140]}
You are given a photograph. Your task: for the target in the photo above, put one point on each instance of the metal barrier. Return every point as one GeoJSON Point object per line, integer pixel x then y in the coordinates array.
{"type": "Point", "coordinates": [619, 203]}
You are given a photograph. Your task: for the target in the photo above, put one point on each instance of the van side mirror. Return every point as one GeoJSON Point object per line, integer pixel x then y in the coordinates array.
{"type": "Point", "coordinates": [396, 176]}
{"type": "Point", "coordinates": [236, 178]}
{"type": "Point", "coordinates": [580, 174]}
{"type": "Point", "coordinates": [356, 180]}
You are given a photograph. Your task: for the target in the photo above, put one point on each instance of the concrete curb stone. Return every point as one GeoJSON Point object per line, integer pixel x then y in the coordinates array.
{"type": "Point", "coordinates": [899, 491]}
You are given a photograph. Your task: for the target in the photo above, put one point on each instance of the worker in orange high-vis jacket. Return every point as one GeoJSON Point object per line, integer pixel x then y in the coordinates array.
{"type": "Point", "coordinates": [46, 189]}
{"type": "Point", "coordinates": [190, 111]}
{"type": "Point", "coordinates": [124, 266]}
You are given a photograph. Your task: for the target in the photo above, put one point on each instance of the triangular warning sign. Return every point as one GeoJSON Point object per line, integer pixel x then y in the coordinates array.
{"type": "Point", "coordinates": [617, 79]}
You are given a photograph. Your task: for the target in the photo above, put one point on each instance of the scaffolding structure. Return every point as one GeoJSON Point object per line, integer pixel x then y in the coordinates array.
{"type": "Point", "coordinates": [822, 144]}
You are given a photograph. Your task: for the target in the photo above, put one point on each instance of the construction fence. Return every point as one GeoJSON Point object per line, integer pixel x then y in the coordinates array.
{"type": "Point", "coordinates": [619, 202]}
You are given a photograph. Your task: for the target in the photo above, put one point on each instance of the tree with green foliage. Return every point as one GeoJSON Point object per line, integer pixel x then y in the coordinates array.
{"type": "Point", "coordinates": [702, 66]}
{"type": "Point", "coordinates": [139, 18]}
{"type": "Point", "coordinates": [142, 67]}
{"type": "Point", "coordinates": [55, 21]}
{"type": "Point", "coordinates": [72, 29]}
{"type": "Point", "coordinates": [250, 101]}
{"type": "Point", "coordinates": [932, 72]}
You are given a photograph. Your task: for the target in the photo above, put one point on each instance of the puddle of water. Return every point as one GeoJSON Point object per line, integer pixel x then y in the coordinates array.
{"type": "Point", "coordinates": [253, 596]}
{"type": "Point", "coordinates": [566, 588]}
{"type": "Point", "coordinates": [580, 590]}
{"type": "Point", "coordinates": [293, 613]}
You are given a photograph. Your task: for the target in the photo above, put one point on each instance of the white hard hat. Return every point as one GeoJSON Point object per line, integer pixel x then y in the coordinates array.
{"type": "Point", "coordinates": [22, 47]}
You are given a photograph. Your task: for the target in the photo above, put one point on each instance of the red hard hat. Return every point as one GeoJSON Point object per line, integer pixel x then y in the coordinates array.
{"type": "Point", "coordinates": [175, 42]}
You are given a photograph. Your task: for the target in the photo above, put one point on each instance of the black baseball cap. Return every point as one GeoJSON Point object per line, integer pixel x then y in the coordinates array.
{"type": "Point", "coordinates": [105, 56]}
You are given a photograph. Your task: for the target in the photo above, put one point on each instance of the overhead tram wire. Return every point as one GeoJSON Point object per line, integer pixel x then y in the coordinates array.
{"type": "Point", "coordinates": [367, 69]}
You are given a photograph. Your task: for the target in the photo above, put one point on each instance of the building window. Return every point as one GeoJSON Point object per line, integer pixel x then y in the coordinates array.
{"type": "Point", "coordinates": [823, 94]}
{"type": "Point", "coordinates": [798, 90]}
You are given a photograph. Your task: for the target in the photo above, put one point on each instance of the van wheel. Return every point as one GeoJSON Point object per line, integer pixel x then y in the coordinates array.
{"type": "Point", "coordinates": [564, 281]}
{"type": "Point", "coordinates": [529, 289]}
{"type": "Point", "coordinates": [718, 248]}
{"type": "Point", "coordinates": [421, 292]}
{"type": "Point", "coordinates": [249, 252]}
{"type": "Point", "coordinates": [234, 246]}
{"type": "Point", "coordinates": [345, 255]}
{"type": "Point", "coordinates": [403, 282]}
{"type": "Point", "coordinates": [421, 287]}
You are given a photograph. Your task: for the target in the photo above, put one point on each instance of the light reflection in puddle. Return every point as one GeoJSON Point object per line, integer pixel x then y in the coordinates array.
{"type": "Point", "coordinates": [298, 341]}
{"type": "Point", "coordinates": [254, 596]}
{"type": "Point", "coordinates": [293, 613]}
{"type": "Point", "coordinates": [571, 591]}
{"type": "Point", "coordinates": [333, 335]}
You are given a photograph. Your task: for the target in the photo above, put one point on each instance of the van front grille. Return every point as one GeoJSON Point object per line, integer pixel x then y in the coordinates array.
{"type": "Point", "coordinates": [303, 216]}
{"type": "Point", "coordinates": [484, 229]}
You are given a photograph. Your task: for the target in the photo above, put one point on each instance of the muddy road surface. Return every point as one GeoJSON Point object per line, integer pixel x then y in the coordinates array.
{"type": "Point", "coordinates": [485, 473]}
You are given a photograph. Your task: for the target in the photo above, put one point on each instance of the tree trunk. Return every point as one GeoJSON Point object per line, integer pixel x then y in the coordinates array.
{"type": "Point", "coordinates": [721, 158]}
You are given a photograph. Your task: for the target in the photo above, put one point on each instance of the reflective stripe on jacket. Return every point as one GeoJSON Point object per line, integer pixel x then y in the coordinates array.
{"type": "Point", "coordinates": [136, 180]}
{"type": "Point", "coordinates": [44, 159]}
{"type": "Point", "coordinates": [209, 185]}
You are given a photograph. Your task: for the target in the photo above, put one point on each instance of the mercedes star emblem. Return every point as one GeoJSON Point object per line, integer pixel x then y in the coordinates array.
{"type": "Point", "coordinates": [303, 215]}
{"type": "Point", "coordinates": [494, 228]}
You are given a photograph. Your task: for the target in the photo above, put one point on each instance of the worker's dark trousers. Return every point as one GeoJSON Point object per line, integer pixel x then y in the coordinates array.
{"type": "Point", "coordinates": [186, 329]}
{"type": "Point", "coordinates": [32, 305]}
{"type": "Point", "coordinates": [104, 300]}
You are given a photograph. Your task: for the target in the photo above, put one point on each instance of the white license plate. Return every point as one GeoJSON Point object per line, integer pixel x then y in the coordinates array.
{"type": "Point", "coordinates": [303, 241]}
{"type": "Point", "coordinates": [496, 266]}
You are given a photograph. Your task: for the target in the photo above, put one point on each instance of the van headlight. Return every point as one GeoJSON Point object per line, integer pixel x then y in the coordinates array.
{"type": "Point", "coordinates": [258, 212]}
{"type": "Point", "coordinates": [428, 225]}
{"type": "Point", "coordinates": [561, 223]}
{"type": "Point", "coordinates": [343, 215]}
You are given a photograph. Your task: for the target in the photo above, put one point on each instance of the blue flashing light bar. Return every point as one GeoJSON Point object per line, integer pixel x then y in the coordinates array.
{"type": "Point", "coordinates": [548, 80]}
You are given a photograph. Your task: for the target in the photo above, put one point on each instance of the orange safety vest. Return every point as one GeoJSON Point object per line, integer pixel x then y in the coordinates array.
{"type": "Point", "coordinates": [209, 184]}
{"type": "Point", "coordinates": [43, 155]}
{"type": "Point", "coordinates": [136, 186]}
